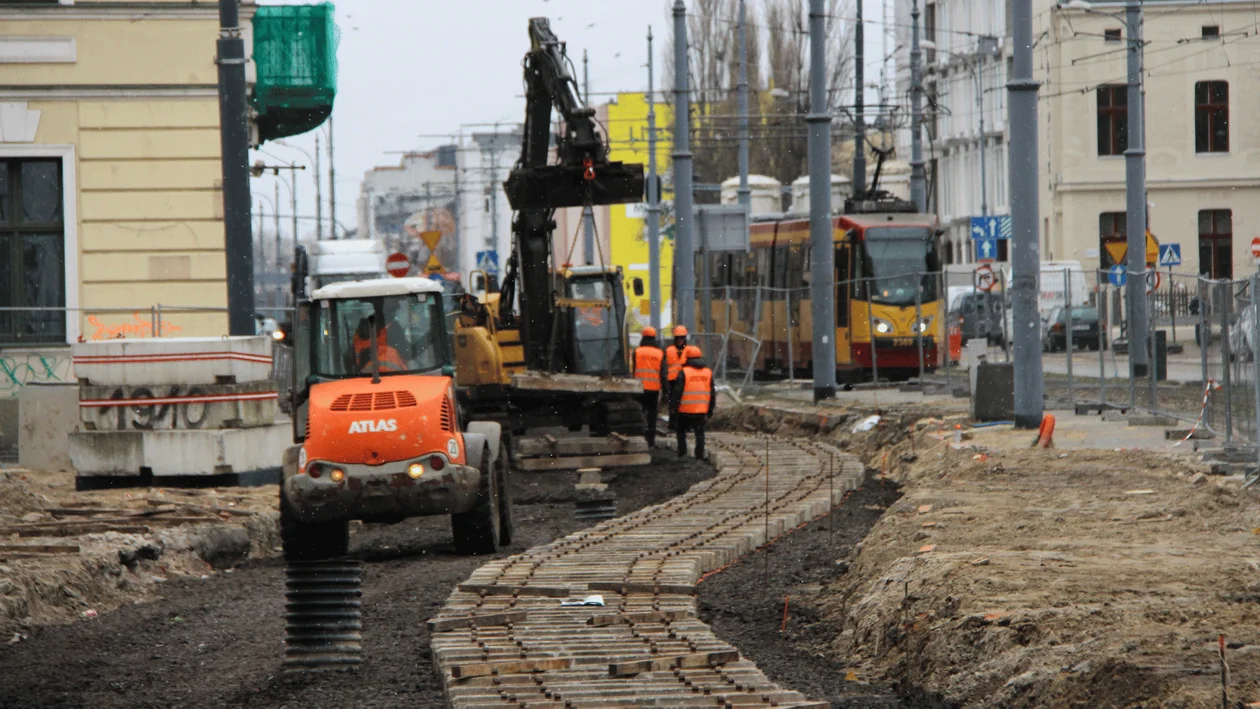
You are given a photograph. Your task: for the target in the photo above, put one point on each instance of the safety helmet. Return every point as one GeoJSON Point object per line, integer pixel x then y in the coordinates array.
{"type": "Point", "coordinates": [680, 331]}
{"type": "Point", "coordinates": [649, 332]}
{"type": "Point", "coordinates": [692, 352]}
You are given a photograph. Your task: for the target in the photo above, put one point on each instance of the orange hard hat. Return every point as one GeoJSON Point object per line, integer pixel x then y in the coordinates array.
{"type": "Point", "coordinates": [692, 352]}
{"type": "Point", "coordinates": [680, 331]}
{"type": "Point", "coordinates": [649, 332]}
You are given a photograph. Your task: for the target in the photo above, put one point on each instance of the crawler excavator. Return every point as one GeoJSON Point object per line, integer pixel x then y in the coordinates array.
{"type": "Point", "coordinates": [562, 358]}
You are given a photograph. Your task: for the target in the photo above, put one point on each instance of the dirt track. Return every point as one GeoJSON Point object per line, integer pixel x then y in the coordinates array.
{"type": "Point", "coordinates": [219, 642]}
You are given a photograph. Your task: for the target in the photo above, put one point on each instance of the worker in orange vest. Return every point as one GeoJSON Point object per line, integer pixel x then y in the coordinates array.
{"type": "Point", "coordinates": [696, 395]}
{"type": "Point", "coordinates": [649, 368]}
{"type": "Point", "coordinates": [674, 360]}
{"type": "Point", "coordinates": [388, 356]}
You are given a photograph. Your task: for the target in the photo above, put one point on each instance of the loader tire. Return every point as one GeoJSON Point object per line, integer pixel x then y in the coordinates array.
{"type": "Point", "coordinates": [477, 530]}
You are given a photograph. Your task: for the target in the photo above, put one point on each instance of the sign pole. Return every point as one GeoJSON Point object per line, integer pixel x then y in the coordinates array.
{"type": "Point", "coordinates": [1172, 304]}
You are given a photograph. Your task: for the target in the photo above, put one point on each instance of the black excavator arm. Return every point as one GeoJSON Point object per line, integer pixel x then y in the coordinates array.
{"type": "Point", "coordinates": [582, 175]}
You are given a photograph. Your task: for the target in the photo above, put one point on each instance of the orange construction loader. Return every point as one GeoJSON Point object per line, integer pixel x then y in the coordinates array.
{"type": "Point", "coordinates": [378, 434]}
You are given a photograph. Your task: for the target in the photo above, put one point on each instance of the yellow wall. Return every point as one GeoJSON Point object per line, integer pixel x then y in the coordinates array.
{"type": "Point", "coordinates": [627, 134]}
{"type": "Point", "coordinates": [149, 226]}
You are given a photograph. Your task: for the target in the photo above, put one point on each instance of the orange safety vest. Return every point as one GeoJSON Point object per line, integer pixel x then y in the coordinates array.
{"type": "Point", "coordinates": [647, 367]}
{"type": "Point", "coordinates": [696, 391]}
{"type": "Point", "coordinates": [389, 357]}
{"type": "Point", "coordinates": [674, 357]}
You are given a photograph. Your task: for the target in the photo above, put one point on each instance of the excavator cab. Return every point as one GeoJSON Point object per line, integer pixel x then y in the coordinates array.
{"type": "Point", "coordinates": [591, 316]}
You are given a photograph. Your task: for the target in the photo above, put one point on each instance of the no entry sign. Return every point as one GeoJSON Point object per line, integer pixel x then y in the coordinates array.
{"type": "Point", "coordinates": [397, 265]}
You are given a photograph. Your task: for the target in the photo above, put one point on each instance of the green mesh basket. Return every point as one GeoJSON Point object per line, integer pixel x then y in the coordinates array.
{"type": "Point", "coordinates": [295, 53]}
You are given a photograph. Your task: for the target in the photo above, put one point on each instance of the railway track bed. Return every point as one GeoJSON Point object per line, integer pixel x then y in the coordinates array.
{"type": "Point", "coordinates": [504, 639]}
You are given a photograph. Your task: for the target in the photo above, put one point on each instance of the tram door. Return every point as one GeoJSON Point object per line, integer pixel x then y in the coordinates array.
{"type": "Point", "coordinates": [844, 270]}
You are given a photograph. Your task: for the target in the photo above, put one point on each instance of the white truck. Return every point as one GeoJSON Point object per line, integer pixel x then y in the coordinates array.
{"type": "Point", "coordinates": [1059, 283]}
{"type": "Point", "coordinates": [343, 260]}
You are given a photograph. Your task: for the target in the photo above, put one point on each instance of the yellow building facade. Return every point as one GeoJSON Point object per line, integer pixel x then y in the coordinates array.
{"type": "Point", "coordinates": [627, 127]}
{"type": "Point", "coordinates": [110, 169]}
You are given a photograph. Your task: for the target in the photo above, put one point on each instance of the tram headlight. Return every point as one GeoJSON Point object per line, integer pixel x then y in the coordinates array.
{"type": "Point", "coordinates": [883, 327]}
{"type": "Point", "coordinates": [923, 325]}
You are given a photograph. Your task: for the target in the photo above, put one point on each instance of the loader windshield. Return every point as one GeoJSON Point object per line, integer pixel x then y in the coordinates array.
{"type": "Point", "coordinates": [408, 330]}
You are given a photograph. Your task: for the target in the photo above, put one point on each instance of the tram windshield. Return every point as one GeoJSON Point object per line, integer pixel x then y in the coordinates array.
{"type": "Point", "coordinates": [897, 262]}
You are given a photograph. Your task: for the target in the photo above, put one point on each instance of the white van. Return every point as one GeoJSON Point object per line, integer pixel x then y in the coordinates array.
{"type": "Point", "coordinates": [1054, 283]}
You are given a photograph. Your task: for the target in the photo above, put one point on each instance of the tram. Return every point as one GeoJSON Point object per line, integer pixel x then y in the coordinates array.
{"type": "Point", "coordinates": [888, 293]}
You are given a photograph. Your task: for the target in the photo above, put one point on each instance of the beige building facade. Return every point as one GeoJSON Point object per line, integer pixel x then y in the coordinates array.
{"type": "Point", "coordinates": [109, 170]}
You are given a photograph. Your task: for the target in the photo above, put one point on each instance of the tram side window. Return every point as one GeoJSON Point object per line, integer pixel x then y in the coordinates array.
{"type": "Point", "coordinates": [778, 279]}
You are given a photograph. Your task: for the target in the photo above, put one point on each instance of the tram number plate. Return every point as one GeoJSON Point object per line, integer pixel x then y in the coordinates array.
{"type": "Point", "coordinates": [903, 342]}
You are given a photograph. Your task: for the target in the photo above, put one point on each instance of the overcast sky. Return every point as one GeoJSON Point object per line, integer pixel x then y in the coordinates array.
{"type": "Point", "coordinates": [412, 69]}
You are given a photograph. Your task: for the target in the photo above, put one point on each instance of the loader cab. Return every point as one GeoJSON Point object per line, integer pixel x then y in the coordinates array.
{"type": "Point", "coordinates": [593, 312]}
{"type": "Point", "coordinates": [373, 329]}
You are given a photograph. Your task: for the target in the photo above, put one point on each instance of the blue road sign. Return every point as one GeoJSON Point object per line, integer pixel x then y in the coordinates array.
{"type": "Point", "coordinates": [1169, 255]}
{"type": "Point", "coordinates": [986, 249]}
{"type": "Point", "coordinates": [996, 227]}
{"type": "Point", "coordinates": [1117, 275]}
{"type": "Point", "coordinates": [488, 261]}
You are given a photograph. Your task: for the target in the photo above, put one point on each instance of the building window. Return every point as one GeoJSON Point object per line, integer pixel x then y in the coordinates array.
{"type": "Point", "coordinates": [1113, 118]}
{"type": "Point", "coordinates": [1112, 239]}
{"type": "Point", "coordinates": [1211, 117]}
{"type": "Point", "coordinates": [1111, 35]}
{"type": "Point", "coordinates": [1216, 243]}
{"type": "Point", "coordinates": [1211, 32]}
{"type": "Point", "coordinates": [32, 251]}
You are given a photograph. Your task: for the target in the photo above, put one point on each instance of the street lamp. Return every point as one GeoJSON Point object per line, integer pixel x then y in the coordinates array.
{"type": "Point", "coordinates": [319, 196]}
{"type": "Point", "coordinates": [986, 46]}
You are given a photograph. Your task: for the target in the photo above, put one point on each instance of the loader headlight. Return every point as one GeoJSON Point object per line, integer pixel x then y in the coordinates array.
{"type": "Point", "coordinates": [883, 327]}
{"type": "Point", "coordinates": [415, 470]}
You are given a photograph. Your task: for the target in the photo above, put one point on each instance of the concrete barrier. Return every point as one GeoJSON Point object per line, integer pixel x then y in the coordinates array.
{"type": "Point", "coordinates": [175, 406]}
{"type": "Point", "coordinates": [47, 415]}
{"type": "Point", "coordinates": [179, 453]}
{"type": "Point", "coordinates": [181, 361]}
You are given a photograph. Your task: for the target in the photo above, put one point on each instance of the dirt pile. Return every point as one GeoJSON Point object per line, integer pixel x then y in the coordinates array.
{"type": "Point", "coordinates": [1017, 577]}
{"type": "Point", "coordinates": [67, 555]}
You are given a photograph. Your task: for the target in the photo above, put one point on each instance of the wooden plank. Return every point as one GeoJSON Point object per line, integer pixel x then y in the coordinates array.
{"type": "Point", "coordinates": [85, 511]}
{"type": "Point", "coordinates": [574, 446]}
{"type": "Point", "coordinates": [76, 530]}
{"type": "Point", "coordinates": [510, 667]}
{"type": "Point", "coordinates": [40, 548]}
{"type": "Point", "coordinates": [510, 590]}
{"type": "Point", "coordinates": [442, 625]}
{"type": "Point", "coordinates": [596, 461]}
{"type": "Point", "coordinates": [576, 383]}
{"type": "Point", "coordinates": [600, 621]}
{"type": "Point", "coordinates": [695, 660]}
{"type": "Point", "coordinates": [628, 589]}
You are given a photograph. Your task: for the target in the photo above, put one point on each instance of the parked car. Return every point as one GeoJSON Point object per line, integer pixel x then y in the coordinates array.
{"type": "Point", "coordinates": [979, 315]}
{"type": "Point", "coordinates": [1085, 329]}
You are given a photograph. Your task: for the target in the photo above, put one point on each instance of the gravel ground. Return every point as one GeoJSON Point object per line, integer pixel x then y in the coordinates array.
{"type": "Point", "coordinates": [219, 642]}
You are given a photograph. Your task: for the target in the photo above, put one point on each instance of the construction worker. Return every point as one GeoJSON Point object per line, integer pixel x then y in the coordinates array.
{"type": "Point", "coordinates": [388, 356]}
{"type": "Point", "coordinates": [648, 368]}
{"type": "Point", "coordinates": [696, 396]}
{"type": "Point", "coordinates": [674, 361]}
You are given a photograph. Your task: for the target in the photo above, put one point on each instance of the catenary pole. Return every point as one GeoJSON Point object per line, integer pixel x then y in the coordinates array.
{"type": "Point", "coordinates": [234, 144]}
{"type": "Point", "coordinates": [1135, 197]}
{"type": "Point", "coordinates": [684, 249]}
{"type": "Point", "coordinates": [859, 106]}
{"type": "Point", "coordinates": [1025, 259]}
{"type": "Point", "coordinates": [822, 251]}
{"type": "Point", "coordinates": [332, 182]}
{"type": "Point", "coordinates": [653, 203]}
{"type": "Point", "coordinates": [745, 194]}
{"type": "Point", "coordinates": [319, 196]}
{"type": "Point", "coordinates": [918, 181]}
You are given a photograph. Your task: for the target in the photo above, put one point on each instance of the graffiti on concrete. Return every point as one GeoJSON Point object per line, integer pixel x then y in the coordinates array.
{"type": "Point", "coordinates": [18, 370]}
{"type": "Point", "coordinates": [147, 417]}
{"type": "Point", "coordinates": [141, 327]}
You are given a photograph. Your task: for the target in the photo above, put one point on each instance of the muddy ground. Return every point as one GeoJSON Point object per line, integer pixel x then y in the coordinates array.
{"type": "Point", "coordinates": [745, 605]}
{"type": "Point", "coordinates": [219, 641]}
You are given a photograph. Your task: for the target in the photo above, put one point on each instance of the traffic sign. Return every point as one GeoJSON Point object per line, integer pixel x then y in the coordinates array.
{"type": "Point", "coordinates": [985, 280]}
{"type": "Point", "coordinates": [433, 265]}
{"type": "Point", "coordinates": [397, 265]}
{"type": "Point", "coordinates": [431, 238]}
{"type": "Point", "coordinates": [997, 227]}
{"type": "Point", "coordinates": [1169, 255]}
{"type": "Point", "coordinates": [1152, 281]}
{"type": "Point", "coordinates": [1255, 248]}
{"type": "Point", "coordinates": [986, 249]}
{"type": "Point", "coordinates": [1117, 276]}
{"type": "Point", "coordinates": [488, 261]}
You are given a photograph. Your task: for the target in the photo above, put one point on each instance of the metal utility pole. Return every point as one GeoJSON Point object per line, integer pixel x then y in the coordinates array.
{"type": "Point", "coordinates": [319, 197]}
{"type": "Point", "coordinates": [984, 181]}
{"type": "Point", "coordinates": [653, 203]}
{"type": "Point", "coordinates": [276, 184]}
{"type": "Point", "coordinates": [684, 249]}
{"type": "Point", "coordinates": [745, 194]}
{"type": "Point", "coordinates": [332, 181]}
{"type": "Point", "coordinates": [859, 107]}
{"type": "Point", "coordinates": [918, 181]}
{"type": "Point", "coordinates": [822, 259]}
{"type": "Point", "coordinates": [234, 144]}
{"type": "Point", "coordinates": [588, 213]}
{"type": "Point", "coordinates": [1135, 197]}
{"type": "Point", "coordinates": [1025, 259]}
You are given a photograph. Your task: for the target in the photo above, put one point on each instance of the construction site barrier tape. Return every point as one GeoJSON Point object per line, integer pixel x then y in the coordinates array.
{"type": "Point", "coordinates": [1207, 390]}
